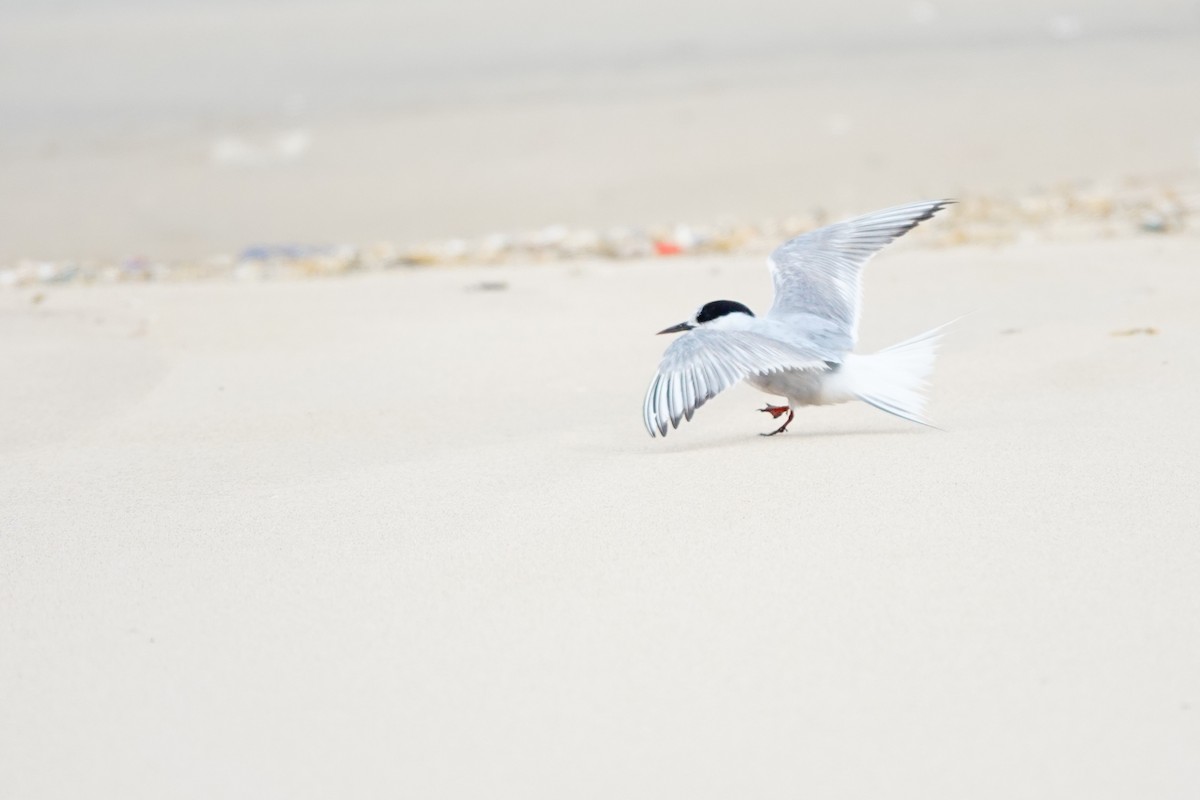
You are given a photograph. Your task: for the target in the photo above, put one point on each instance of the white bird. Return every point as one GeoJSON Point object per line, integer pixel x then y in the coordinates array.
{"type": "Point", "coordinates": [803, 348]}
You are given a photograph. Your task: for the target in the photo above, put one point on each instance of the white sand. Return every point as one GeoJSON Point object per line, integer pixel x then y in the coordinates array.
{"type": "Point", "coordinates": [396, 536]}
{"type": "Point", "coordinates": [326, 538]}
{"type": "Point", "coordinates": [347, 141]}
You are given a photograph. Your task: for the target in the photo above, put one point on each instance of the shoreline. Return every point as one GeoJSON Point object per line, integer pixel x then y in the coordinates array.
{"type": "Point", "coordinates": [1072, 212]}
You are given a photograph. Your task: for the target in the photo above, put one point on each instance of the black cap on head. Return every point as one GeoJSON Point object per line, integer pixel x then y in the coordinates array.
{"type": "Point", "coordinates": [719, 308]}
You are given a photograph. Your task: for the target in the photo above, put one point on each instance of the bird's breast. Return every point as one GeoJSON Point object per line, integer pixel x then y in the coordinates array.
{"type": "Point", "coordinates": [801, 387]}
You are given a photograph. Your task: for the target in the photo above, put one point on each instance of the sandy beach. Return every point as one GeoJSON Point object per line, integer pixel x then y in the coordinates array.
{"type": "Point", "coordinates": [360, 141]}
{"type": "Point", "coordinates": [329, 538]}
{"type": "Point", "coordinates": [399, 531]}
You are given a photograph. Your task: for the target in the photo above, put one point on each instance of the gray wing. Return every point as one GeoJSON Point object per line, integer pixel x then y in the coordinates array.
{"type": "Point", "coordinates": [702, 363]}
{"type": "Point", "coordinates": [819, 273]}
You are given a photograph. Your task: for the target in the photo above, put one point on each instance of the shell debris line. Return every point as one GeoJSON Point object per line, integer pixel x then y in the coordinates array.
{"type": "Point", "coordinates": [1067, 213]}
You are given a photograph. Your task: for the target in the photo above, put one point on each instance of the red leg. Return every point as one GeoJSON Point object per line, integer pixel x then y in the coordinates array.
{"type": "Point", "coordinates": [776, 412]}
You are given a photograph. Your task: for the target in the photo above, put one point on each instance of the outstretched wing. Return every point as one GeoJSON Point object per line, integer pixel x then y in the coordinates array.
{"type": "Point", "coordinates": [703, 362]}
{"type": "Point", "coordinates": [819, 273]}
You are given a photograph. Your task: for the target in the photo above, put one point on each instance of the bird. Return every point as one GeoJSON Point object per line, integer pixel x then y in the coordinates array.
{"type": "Point", "coordinates": [802, 349]}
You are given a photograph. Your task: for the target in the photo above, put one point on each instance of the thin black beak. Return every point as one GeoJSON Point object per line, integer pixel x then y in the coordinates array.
{"type": "Point", "coordinates": [681, 327]}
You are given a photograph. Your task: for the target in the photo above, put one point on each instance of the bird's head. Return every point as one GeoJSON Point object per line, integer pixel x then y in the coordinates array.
{"type": "Point", "coordinates": [717, 314]}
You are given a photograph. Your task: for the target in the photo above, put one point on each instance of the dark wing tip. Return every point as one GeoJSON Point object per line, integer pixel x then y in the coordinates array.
{"type": "Point", "coordinates": [934, 207]}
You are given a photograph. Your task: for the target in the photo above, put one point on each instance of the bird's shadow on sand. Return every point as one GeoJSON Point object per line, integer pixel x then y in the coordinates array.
{"type": "Point", "coordinates": [788, 439]}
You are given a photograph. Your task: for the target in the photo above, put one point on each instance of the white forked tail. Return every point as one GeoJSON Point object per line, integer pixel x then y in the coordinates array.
{"type": "Point", "coordinates": [894, 380]}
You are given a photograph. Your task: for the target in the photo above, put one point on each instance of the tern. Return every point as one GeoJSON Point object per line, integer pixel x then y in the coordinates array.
{"type": "Point", "coordinates": [803, 348]}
